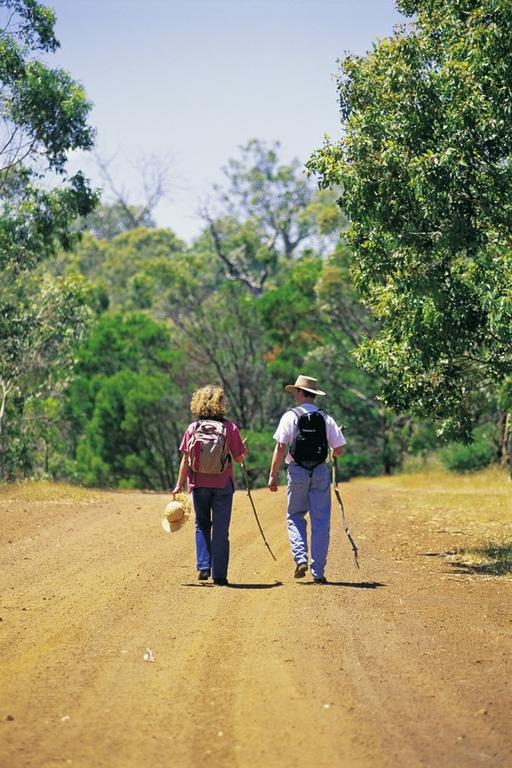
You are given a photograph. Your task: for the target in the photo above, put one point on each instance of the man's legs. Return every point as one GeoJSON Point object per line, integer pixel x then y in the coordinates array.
{"type": "Point", "coordinates": [319, 503]}
{"type": "Point", "coordinates": [298, 485]}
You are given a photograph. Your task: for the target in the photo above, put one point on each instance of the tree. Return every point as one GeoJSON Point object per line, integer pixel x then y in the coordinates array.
{"type": "Point", "coordinates": [223, 340]}
{"type": "Point", "coordinates": [124, 405]}
{"type": "Point", "coordinates": [109, 220]}
{"type": "Point", "coordinates": [132, 270]}
{"type": "Point", "coordinates": [117, 213]}
{"type": "Point", "coordinates": [378, 436]}
{"type": "Point", "coordinates": [39, 332]}
{"type": "Point", "coordinates": [270, 194]}
{"type": "Point", "coordinates": [43, 116]}
{"type": "Point", "coordinates": [245, 258]}
{"type": "Point", "coordinates": [426, 181]}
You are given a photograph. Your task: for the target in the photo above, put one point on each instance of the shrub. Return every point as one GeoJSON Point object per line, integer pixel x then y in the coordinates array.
{"type": "Point", "coordinates": [468, 458]}
{"type": "Point", "coordinates": [357, 464]}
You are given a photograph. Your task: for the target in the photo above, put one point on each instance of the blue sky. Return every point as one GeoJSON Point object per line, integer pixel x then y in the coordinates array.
{"type": "Point", "coordinates": [189, 82]}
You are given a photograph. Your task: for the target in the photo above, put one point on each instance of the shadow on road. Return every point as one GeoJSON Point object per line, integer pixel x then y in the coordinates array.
{"type": "Point", "coordinates": [489, 560]}
{"type": "Point", "coordinates": [353, 584]}
{"type": "Point", "coordinates": [256, 586]}
{"type": "Point", "coordinates": [232, 585]}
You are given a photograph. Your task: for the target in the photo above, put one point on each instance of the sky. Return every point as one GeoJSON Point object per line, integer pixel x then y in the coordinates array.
{"type": "Point", "coordinates": [188, 83]}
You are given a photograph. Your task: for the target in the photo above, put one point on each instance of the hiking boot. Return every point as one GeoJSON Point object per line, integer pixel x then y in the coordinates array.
{"type": "Point", "coordinates": [221, 582]}
{"type": "Point", "coordinates": [319, 579]}
{"type": "Point", "coordinates": [203, 575]}
{"type": "Point", "coordinates": [300, 570]}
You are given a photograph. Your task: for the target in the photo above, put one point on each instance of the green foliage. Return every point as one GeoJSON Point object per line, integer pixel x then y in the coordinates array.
{"type": "Point", "coordinates": [242, 252]}
{"type": "Point", "coordinates": [425, 177]}
{"type": "Point", "coordinates": [271, 195]}
{"type": "Point", "coordinates": [125, 441]}
{"type": "Point", "coordinates": [505, 395]}
{"type": "Point", "coordinates": [260, 446]}
{"type": "Point", "coordinates": [125, 406]}
{"type": "Point", "coordinates": [43, 115]}
{"type": "Point", "coordinates": [471, 456]}
{"type": "Point", "coordinates": [290, 315]}
{"type": "Point", "coordinates": [137, 269]}
{"type": "Point", "coordinates": [224, 341]}
{"type": "Point", "coordinates": [42, 323]}
{"type": "Point", "coordinates": [355, 464]}
{"type": "Point", "coordinates": [108, 221]}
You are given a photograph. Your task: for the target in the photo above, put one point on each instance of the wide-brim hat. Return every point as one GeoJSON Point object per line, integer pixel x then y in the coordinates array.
{"type": "Point", "coordinates": [307, 383]}
{"type": "Point", "coordinates": [176, 513]}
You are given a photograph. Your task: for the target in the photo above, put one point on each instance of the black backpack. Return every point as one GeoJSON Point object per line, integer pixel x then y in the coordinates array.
{"type": "Point", "coordinates": [310, 447]}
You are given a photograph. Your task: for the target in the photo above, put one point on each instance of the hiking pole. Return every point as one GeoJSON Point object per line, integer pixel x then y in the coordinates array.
{"type": "Point", "coordinates": [246, 477]}
{"type": "Point", "coordinates": [355, 550]}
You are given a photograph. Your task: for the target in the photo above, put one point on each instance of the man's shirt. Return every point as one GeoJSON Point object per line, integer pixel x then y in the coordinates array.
{"type": "Point", "coordinates": [287, 428]}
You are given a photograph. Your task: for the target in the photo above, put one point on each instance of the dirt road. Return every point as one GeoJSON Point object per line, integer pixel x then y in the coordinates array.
{"type": "Point", "coordinates": [404, 663]}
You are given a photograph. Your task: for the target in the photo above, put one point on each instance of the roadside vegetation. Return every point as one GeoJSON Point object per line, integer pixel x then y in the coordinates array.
{"type": "Point", "coordinates": [392, 283]}
{"type": "Point", "coordinates": [472, 509]}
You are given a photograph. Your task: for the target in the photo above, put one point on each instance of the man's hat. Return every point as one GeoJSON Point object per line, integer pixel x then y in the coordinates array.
{"type": "Point", "coordinates": [306, 383]}
{"type": "Point", "coordinates": [176, 513]}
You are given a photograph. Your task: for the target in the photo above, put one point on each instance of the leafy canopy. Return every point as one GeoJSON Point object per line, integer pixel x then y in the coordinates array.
{"type": "Point", "coordinates": [426, 180]}
{"type": "Point", "coordinates": [43, 116]}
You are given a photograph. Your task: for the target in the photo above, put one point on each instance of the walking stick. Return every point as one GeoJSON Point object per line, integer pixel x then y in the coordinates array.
{"type": "Point", "coordinates": [355, 550]}
{"type": "Point", "coordinates": [246, 477]}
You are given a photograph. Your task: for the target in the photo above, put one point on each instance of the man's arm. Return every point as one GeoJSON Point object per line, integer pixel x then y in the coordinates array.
{"type": "Point", "coordinates": [277, 459]}
{"type": "Point", "coordinates": [338, 451]}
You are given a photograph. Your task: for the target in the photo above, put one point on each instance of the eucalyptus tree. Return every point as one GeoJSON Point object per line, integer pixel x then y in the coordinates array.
{"type": "Point", "coordinates": [424, 169]}
{"type": "Point", "coordinates": [266, 214]}
{"type": "Point", "coordinates": [262, 189]}
{"type": "Point", "coordinates": [43, 116]}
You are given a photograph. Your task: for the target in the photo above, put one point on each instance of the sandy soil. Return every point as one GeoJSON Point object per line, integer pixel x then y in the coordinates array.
{"type": "Point", "coordinates": [406, 662]}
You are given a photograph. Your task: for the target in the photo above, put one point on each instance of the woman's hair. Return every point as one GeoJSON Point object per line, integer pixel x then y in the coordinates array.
{"type": "Point", "coordinates": [208, 403]}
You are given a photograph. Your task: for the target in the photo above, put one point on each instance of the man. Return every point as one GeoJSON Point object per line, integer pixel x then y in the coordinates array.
{"type": "Point", "coordinates": [308, 486]}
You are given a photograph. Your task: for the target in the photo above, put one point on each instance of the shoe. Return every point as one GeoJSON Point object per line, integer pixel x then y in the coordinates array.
{"type": "Point", "coordinates": [300, 570]}
{"type": "Point", "coordinates": [203, 575]}
{"type": "Point", "coordinates": [319, 579]}
{"type": "Point", "coordinates": [221, 582]}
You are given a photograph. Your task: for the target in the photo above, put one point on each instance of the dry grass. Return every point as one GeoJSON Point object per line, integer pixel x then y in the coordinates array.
{"type": "Point", "coordinates": [491, 560]}
{"type": "Point", "coordinates": [474, 510]}
{"type": "Point", "coordinates": [44, 490]}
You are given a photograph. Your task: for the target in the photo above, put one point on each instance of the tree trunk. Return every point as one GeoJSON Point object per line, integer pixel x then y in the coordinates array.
{"type": "Point", "coordinates": [508, 443]}
{"type": "Point", "coordinates": [3, 390]}
{"type": "Point", "coordinates": [505, 440]}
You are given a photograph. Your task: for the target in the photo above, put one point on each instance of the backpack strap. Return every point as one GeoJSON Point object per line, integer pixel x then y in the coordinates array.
{"type": "Point", "coordinates": [299, 413]}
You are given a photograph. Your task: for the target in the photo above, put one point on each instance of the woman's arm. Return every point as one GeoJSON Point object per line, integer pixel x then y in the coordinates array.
{"type": "Point", "coordinates": [182, 475]}
{"type": "Point", "coordinates": [240, 449]}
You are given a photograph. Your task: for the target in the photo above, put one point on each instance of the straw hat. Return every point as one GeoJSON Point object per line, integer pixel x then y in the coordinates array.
{"type": "Point", "coordinates": [307, 383]}
{"type": "Point", "coordinates": [176, 513]}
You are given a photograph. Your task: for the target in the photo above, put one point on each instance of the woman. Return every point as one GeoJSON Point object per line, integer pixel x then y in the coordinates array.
{"type": "Point", "coordinates": [209, 445]}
